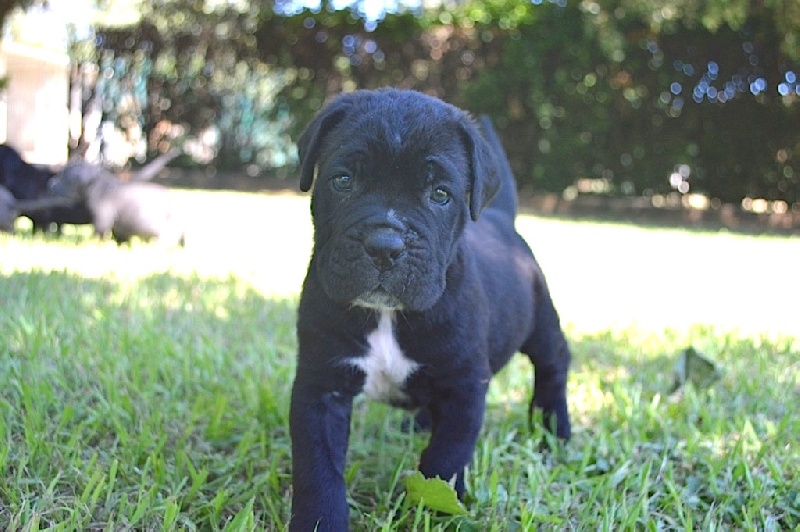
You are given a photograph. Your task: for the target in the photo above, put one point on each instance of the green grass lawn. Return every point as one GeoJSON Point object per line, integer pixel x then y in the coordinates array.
{"type": "Point", "coordinates": [146, 389]}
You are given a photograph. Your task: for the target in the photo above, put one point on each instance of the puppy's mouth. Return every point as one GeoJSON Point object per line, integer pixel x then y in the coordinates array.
{"type": "Point", "coordinates": [378, 299]}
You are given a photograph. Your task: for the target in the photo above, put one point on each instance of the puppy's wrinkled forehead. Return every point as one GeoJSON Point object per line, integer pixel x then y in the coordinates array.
{"type": "Point", "coordinates": [397, 132]}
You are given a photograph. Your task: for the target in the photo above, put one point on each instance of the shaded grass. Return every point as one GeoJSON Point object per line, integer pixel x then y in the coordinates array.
{"type": "Point", "coordinates": [143, 388]}
{"type": "Point", "coordinates": [121, 404]}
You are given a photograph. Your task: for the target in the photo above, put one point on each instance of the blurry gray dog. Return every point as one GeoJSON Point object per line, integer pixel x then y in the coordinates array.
{"type": "Point", "coordinates": [124, 209]}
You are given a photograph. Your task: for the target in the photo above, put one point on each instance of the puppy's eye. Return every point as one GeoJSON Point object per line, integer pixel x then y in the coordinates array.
{"type": "Point", "coordinates": [440, 196]}
{"type": "Point", "coordinates": [342, 182]}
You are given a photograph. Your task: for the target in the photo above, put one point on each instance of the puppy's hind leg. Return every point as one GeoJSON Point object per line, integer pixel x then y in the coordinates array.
{"type": "Point", "coordinates": [549, 351]}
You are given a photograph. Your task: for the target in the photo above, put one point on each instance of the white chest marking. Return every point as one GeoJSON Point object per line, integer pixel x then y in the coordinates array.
{"type": "Point", "coordinates": [385, 366]}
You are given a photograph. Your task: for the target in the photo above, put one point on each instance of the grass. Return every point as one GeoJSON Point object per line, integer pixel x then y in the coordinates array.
{"type": "Point", "coordinates": [147, 389]}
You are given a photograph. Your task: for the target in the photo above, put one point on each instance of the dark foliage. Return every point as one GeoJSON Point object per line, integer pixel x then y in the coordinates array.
{"type": "Point", "coordinates": [616, 93]}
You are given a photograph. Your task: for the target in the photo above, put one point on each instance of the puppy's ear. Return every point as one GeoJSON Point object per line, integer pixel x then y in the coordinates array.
{"type": "Point", "coordinates": [483, 169]}
{"type": "Point", "coordinates": [310, 142]}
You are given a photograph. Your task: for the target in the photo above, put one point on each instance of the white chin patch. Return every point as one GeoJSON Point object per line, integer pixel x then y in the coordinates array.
{"type": "Point", "coordinates": [378, 300]}
{"type": "Point", "coordinates": [385, 366]}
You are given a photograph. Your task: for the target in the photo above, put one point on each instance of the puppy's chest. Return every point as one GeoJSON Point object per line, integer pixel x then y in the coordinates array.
{"type": "Point", "coordinates": [386, 368]}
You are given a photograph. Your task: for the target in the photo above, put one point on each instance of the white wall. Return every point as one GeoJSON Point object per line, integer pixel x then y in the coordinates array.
{"type": "Point", "coordinates": [34, 107]}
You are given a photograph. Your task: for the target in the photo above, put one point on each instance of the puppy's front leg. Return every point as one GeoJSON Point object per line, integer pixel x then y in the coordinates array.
{"type": "Point", "coordinates": [456, 421]}
{"type": "Point", "coordinates": [320, 426]}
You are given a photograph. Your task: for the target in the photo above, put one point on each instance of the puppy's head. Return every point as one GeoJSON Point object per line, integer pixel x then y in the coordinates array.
{"type": "Point", "coordinates": [396, 176]}
{"type": "Point", "coordinates": [76, 178]}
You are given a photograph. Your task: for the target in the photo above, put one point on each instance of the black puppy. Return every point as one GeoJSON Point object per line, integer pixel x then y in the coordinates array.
{"type": "Point", "coordinates": [124, 209]}
{"type": "Point", "coordinates": [24, 181]}
{"type": "Point", "coordinates": [418, 289]}
{"type": "Point", "coordinates": [28, 182]}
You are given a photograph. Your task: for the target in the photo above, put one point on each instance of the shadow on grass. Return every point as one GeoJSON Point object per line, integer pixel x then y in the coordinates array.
{"type": "Point", "coordinates": [128, 401]}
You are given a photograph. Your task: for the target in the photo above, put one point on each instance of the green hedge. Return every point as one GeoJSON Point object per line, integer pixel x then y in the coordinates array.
{"type": "Point", "coordinates": [619, 94]}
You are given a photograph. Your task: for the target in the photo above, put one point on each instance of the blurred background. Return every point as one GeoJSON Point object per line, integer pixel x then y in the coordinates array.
{"type": "Point", "coordinates": [687, 105]}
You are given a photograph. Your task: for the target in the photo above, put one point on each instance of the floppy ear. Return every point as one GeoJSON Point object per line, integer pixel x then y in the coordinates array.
{"type": "Point", "coordinates": [483, 169]}
{"type": "Point", "coordinates": [310, 142]}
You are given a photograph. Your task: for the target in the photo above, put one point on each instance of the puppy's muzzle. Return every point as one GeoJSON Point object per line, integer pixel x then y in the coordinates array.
{"type": "Point", "coordinates": [385, 245]}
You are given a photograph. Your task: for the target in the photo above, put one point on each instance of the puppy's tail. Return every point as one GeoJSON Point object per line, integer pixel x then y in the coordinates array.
{"type": "Point", "coordinates": [506, 198]}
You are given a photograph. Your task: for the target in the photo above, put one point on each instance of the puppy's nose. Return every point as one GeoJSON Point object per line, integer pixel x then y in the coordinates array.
{"type": "Point", "coordinates": [384, 245]}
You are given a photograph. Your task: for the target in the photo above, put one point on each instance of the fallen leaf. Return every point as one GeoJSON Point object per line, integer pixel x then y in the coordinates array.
{"type": "Point", "coordinates": [434, 493]}
{"type": "Point", "coordinates": [695, 368]}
